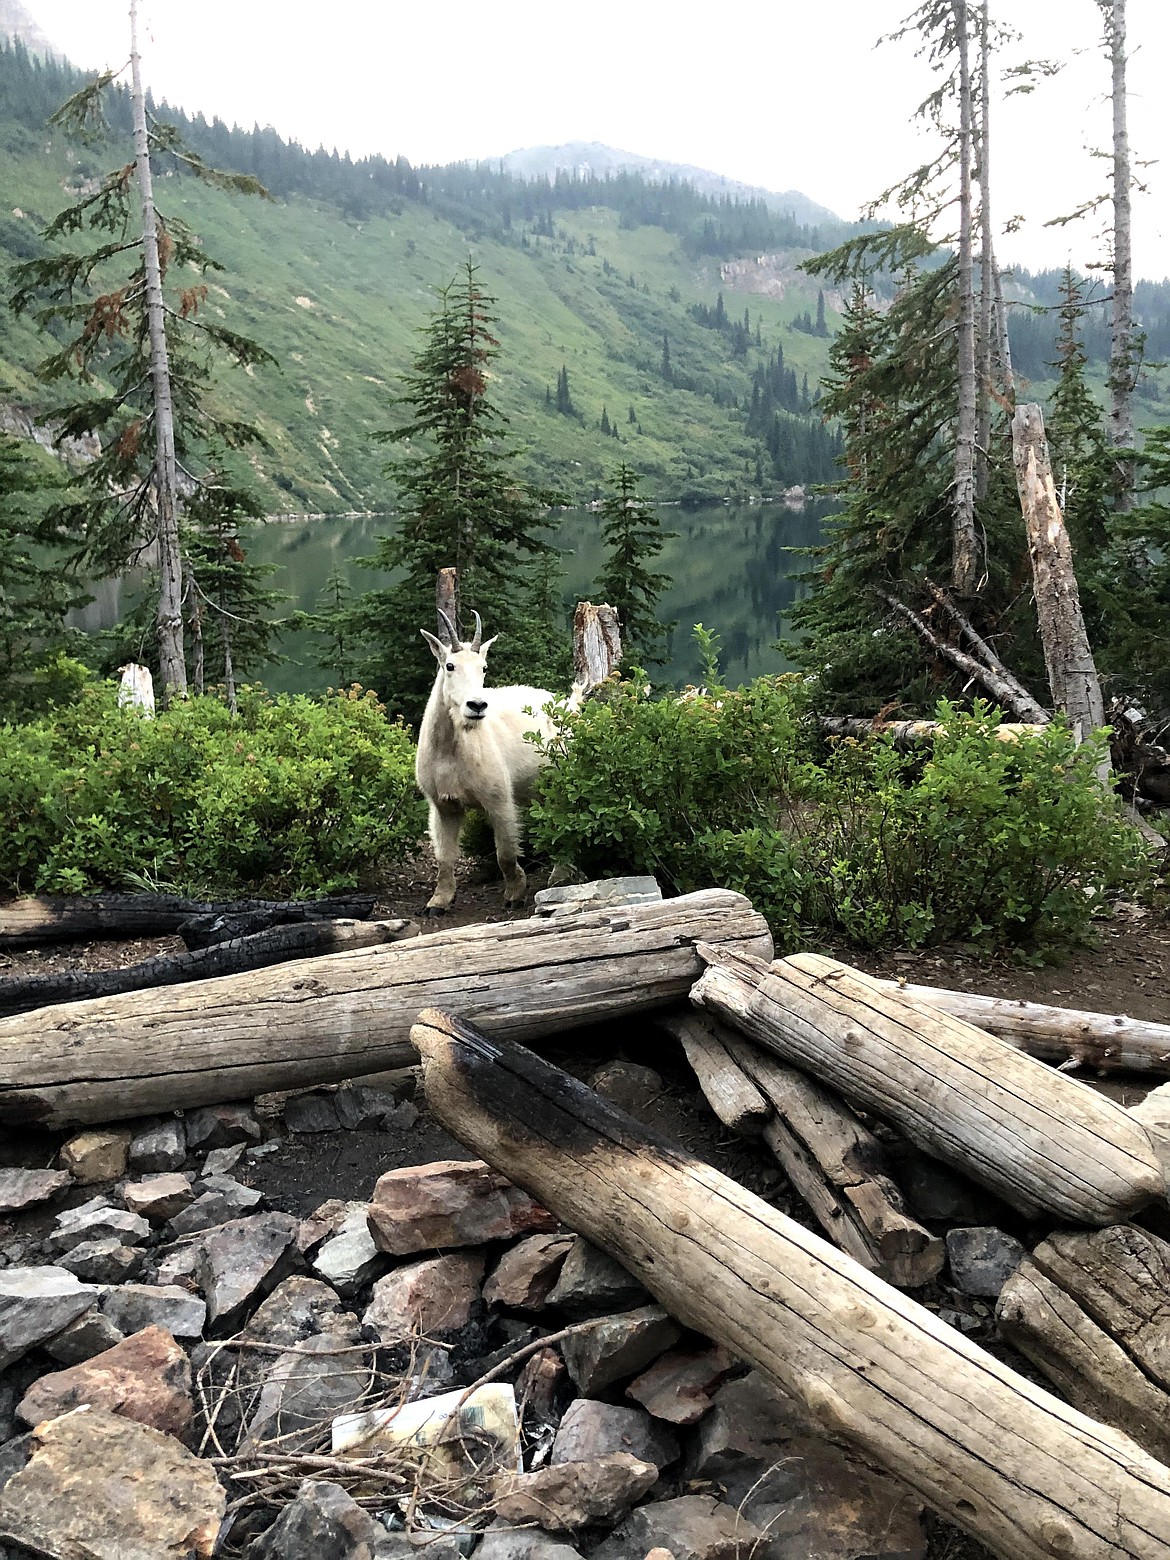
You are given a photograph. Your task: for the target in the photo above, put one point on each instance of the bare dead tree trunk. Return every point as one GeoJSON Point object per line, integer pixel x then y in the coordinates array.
{"type": "Point", "coordinates": [1123, 351]}
{"type": "Point", "coordinates": [229, 672]}
{"type": "Point", "coordinates": [597, 643]}
{"type": "Point", "coordinates": [964, 545]}
{"type": "Point", "coordinates": [986, 260]}
{"type": "Point", "coordinates": [447, 600]}
{"type": "Point", "coordinates": [1072, 676]}
{"type": "Point", "coordinates": [170, 613]}
{"type": "Point", "coordinates": [195, 621]}
{"type": "Point", "coordinates": [1002, 337]}
{"type": "Point", "coordinates": [1014, 697]}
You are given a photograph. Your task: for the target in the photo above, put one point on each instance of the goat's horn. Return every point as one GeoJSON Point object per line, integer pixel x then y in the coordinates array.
{"type": "Point", "coordinates": [452, 632]}
{"type": "Point", "coordinates": [478, 631]}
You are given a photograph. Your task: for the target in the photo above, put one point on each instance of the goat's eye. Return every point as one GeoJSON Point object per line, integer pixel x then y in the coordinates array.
{"type": "Point", "coordinates": [450, 666]}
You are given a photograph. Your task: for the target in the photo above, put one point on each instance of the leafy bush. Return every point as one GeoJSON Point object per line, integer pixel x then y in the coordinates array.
{"type": "Point", "coordinates": [294, 796]}
{"type": "Point", "coordinates": [693, 790]}
{"type": "Point", "coordinates": [976, 838]}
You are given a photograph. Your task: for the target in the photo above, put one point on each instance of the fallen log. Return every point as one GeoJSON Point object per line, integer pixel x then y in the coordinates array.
{"type": "Point", "coordinates": [729, 1092]}
{"type": "Point", "coordinates": [1043, 1141]}
{"type": "Point", "coordinates": [1121, 1277]}
{"type": "Point", "coordinates": [321, 1020]}
{"type": "Point", "coordinates": [839, 1168]}
{"type": "Point", "coordinates": [906, 735]}
{"type": "Point", "coordinates": [71, 917]}
{"type": "Point", "coordinates": [204, 931]}
{"type": "Point", "coordinates": [1028, 1476]}
{"type": "Point", "coordinates": [1082, 1361]}
{"type": "Point", "coordinates": [24, 993]}
{"type": "Point", "coordinates": [1109, 1042]}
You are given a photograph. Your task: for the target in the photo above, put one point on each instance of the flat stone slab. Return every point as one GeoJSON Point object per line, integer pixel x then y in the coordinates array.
{"type": "Point", "coordinates": [597, 895]}
{"type": "Point", "coordinates": [96, 1486]}
{"type": "Point", "coordinates": [23, 1189]}
{"type": "Point", "coordinates": [35, 1303]}
{"type": "Point", "coordinates": [131, 1307]}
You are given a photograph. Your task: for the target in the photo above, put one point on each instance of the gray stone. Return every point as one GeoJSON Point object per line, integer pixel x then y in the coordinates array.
{"type": "Point", "coordinates": [591, 1429]}
{"type": "Point", "coordinates": [242, 1260]}
{"type": "Point", "coordinates": [982, 1259]}
{"type": "Point", "coordinates": [349, 1259]}
{"type": "Point", "coordinates": [35, 1303]}
{"type": "Point", "coordinates": [629, 1086]}
{"type": "Point", "coordinates": [23, 1189]}
{"type": "Point", "coordinates": [504, 1542]}
{"type": "Point", "coordinates": [591, 1281]}
{"type": "Point", "coordinates": [750, 1422]}
{"type": "Point", "coordinates": [96, 1486]}
{"type": "Point", "coordinates": [159, 1147]}
{"type": "Point", "coordinates": [525, 1275]}
{"type": "Point", "coordinates": [323, 1523]}
{"type": "Point", "coordinates": [602, 893]}
{"type": "Point", "coordinates": [937, 1194]}
{"type": "Point", "coordinates": [615, 1347]}
{"type": "Point", "coordinates": [131, 1307]}
{"type": "Point", "coordinates": [219, 1126]}
{"type": "Point", "coordinates": [361, 1108]}
{"type": "Point", "coordinates": [176, 1264]}
{"type": "Point", "coordinates": [159, 1197]}
{"type": "Point", "coordinates": [222, 1160]}
{"type": "Point", "coordinates": [226, 1200]}
{"type": "Point", "coordinates": [105, 1261]}
{"type": "Point", "coordinates": [323, 1222]}
{"type": "Point", "coordinates": [297, 1309]}
{"type": "Point", "coordinates": [573, 1495]}
{"type": "Point", "coordinates": [693, 1527]}
{"type": "Point", "coordinates": [97, 1224]}
{"type": "Point", "coordinates": [314, 1112]}
{"type": "Point", "coordinates": [308, 1386]}
{"type": "Point", "coordinates": [90, 1334]}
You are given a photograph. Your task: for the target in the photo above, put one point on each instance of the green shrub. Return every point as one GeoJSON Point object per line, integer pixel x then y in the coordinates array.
{"type": "Point", "coordinates": [294, 796]}
{"type": "Point", "coordinates": [693, 790]}
{"type": "Point", "coordinates": [976, 838]}
{"type": "Point", "coordinates": [983, 840]}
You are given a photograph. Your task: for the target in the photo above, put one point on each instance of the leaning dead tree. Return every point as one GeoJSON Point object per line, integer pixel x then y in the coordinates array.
{"type": "Point", "coordinates": [1028, 1476]}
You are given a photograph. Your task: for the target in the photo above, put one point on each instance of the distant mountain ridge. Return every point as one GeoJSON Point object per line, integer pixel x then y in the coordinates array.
{"type": "Point", "coordinates": [593, 157]}
{"type": "Point", "coordinates": [17, 23]}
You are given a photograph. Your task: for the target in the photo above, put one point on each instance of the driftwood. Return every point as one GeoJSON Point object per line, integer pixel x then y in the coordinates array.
{"type": "Point", "coordinates": [597, 643]}
{"type": "Point", "coordinates": [321, 1020]}
{"type": "Point", "coordinates": [1109, 1042]}
{"type": "Point", "coordinates": [1030, 1477]}
{"type": "Point", "coordinates": [839, 1168]}
{"type": "Point", "coordinates": [22, 994]}
{"type": "Point", "coordinates": [68, 918]}
{"type": "Point", "coordinates": [729, 1092]}
{"type": "Point", "coordinates": [1043, 1141]}
{"type": "Point", "coordinates": [1081, 1360]}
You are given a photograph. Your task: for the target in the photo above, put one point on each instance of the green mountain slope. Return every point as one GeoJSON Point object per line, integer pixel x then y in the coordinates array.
{"type": "Point", "coordinates": [336, 283]}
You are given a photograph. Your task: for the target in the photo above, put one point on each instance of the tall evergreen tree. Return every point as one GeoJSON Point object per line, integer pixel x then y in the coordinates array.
{"type": "Point", "coordinates": [331, 623]}
{"type": "Point", "coordinates": [633, 537]}
{"type": "Point", "coordinates": [463, 505]}
{"type": "Point", "coordinates": [140, 346]}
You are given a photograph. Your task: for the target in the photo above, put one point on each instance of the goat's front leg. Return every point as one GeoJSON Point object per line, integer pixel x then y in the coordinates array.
{"type": "Point", "coordinates": [505, 821]}
{"type": "Point", "coordinates": [446, 823]}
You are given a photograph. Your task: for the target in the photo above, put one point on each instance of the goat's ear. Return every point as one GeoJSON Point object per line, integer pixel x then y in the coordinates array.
{"type": "Point", "coordinates": [487, 644]}
{"type": "Point", "coordinates": [438, 649]}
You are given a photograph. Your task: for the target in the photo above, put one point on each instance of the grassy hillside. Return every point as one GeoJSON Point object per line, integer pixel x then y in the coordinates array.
{"type": "Point", "coordinates": [338, 299]}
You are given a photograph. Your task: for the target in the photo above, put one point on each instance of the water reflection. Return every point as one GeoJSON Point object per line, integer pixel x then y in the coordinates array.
{"type": "Point", "coordinates": [731, 566]}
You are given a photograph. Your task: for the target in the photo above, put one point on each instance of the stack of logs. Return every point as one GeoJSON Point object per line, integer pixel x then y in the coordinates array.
{"type": "Point", "coordinates": [797, 1051]}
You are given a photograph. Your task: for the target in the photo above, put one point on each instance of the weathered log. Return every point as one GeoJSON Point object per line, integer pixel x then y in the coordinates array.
{"type": "Point", "coordinates": [839, 1168]}
{"type": "Point", "coordinates": [909, 734]}
{"type": "Point", "coordinates": [1003, 1458]}
{"type": "Point", "coordinates": [1043, 1141]}
{"type": "Point", "coordinates": [204, 931]}
{"type": "Point", "coordinates": [309, 939]}
{"type": "Point", "coordinates": [729, 1092]}
{"type": "Point", "coordinates": [1081, 1360]}
{"type": "Point", "coordinates": [597, 643]}
{"type": "Point", "coordinates": [1121, 1277]}
{"type": "Point", "coordinates": [1109, 1042]}
{"type": "Point", "coordinates": [67, 918]}
{"type": "Point", "coordinates": [320, 1020]}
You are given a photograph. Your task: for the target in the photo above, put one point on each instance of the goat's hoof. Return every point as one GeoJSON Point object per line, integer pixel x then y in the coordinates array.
{"type": "Point", "coordinates": [435, 910]}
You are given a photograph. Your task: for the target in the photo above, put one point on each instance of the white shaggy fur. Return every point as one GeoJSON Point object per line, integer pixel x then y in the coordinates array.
{"type": "Point", "coordinates": [472, 752]}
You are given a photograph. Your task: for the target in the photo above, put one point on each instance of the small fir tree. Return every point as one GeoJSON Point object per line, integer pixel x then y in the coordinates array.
{"type": "Point", "coordinates": [633, 536]}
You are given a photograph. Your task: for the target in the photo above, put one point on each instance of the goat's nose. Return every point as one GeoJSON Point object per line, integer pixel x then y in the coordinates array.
{"type": "Point", "coordinates": [477, 706]}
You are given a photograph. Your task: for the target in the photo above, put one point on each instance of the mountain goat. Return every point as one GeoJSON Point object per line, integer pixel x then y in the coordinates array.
{"type": "Point", "coordinates": [472, 752]}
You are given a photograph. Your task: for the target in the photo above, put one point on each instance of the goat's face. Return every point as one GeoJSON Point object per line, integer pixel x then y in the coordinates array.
{"type": "Point", "coordinates": [461, 674]}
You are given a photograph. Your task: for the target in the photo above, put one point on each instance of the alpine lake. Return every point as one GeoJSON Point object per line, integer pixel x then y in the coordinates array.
{"type": "Point", "coordinates": [734, 569]}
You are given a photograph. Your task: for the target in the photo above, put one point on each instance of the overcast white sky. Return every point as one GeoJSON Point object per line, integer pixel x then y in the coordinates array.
{"type": "Point", "coordinates": [781, 93]}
